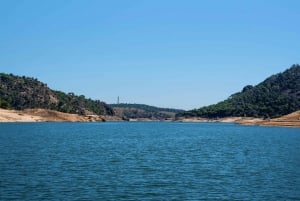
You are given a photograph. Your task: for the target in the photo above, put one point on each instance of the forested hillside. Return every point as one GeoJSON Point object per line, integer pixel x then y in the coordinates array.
{"type": "Point", "coordinates": [276, 96]}
{"type": "Point", "coordinates": [23, 92]}
{"type": "Point", "coordinates": [135, 111]}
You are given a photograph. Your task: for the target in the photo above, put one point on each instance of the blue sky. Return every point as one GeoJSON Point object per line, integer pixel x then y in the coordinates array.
{"type": "Point", "coordinates": [168, 53]}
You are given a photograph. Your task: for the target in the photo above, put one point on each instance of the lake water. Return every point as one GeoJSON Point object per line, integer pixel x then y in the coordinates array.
{"type": "Point", "coordinates": [148, 161]}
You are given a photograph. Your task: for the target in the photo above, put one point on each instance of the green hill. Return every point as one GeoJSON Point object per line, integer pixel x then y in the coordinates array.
{"type": "Point", "coordinates": [134, 111]}
{"type": "Point", "coordinates": [276, 96]}
{"type": "Point", "coordinates": [23, 92]}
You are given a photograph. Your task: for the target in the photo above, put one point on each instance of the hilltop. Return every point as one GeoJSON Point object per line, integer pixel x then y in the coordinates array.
{"type": "Point", "coordinates": [141, 111]}
{"type": "Point", "coordinates": [278, 95]}
{"type": "Point", "coordinates": [21, 93]}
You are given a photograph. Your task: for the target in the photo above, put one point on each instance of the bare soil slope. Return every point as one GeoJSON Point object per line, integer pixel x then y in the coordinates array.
{"type": "Point", "coordinates": [290, 120]}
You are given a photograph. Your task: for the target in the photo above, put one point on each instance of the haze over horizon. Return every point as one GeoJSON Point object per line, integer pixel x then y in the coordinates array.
{"type": "Point", "coordinates": [171, 54]}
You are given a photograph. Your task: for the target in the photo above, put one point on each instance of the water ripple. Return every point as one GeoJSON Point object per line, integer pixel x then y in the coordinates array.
{"type": "Point", "coordinates": [148, 161]}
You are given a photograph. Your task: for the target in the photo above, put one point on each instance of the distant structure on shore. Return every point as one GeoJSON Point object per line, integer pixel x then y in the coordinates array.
{"type": "Point", "coordinates": [118, 100]}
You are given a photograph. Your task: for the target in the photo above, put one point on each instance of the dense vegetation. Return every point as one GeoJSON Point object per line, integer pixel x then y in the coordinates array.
{"type": "Point", "coordinates": [276, 96]}
{"type": "Point", "coordinates": [23, 92]}
{"type": "Point", "coordinates": [134, 111]}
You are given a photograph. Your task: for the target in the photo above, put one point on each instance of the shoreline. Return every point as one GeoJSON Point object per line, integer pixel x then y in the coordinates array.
{"type": "Point", "coordinates": [44, 115]}
{"type": "Point", "coordinates": [290, 120]}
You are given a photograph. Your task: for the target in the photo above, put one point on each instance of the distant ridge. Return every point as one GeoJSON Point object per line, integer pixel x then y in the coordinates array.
{"type": "Point", "coordinates": [276, 96]}
{"type": "Point", "coordinates": [20, 93]}
{"type": "Point", "coordinates": [134, 111]}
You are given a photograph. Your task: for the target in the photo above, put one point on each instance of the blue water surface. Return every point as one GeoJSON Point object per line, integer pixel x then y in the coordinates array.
{"type": "Point", "coordinates": [148, 161]}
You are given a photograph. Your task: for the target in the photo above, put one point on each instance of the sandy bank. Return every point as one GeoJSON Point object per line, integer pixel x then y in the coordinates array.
{"type": "Point", "coordinates": [290, 120]}
{"type": "Point", "coordinates": [43, 115]}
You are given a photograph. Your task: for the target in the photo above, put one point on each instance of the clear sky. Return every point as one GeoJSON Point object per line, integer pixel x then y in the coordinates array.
{"type": "Point", "coordinates": [182, 54]}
